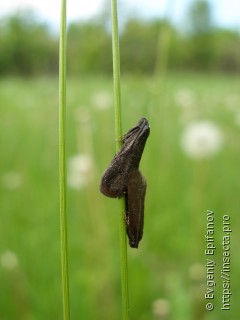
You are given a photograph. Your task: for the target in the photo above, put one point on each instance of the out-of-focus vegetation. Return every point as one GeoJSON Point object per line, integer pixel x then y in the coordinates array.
{"type": "Point", "coordinates": [28, 47]}
{"type": "Point", "coordinates": [167, 274]}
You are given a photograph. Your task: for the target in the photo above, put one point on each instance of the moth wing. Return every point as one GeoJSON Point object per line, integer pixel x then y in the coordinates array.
{"type": "Point", "coordinates": [135, 207]}
{"type": "Point", "coordinates": [114, 180]}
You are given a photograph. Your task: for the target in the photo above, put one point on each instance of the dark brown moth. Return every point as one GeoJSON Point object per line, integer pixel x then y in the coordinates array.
{"type": "Point", "coordinates": [122, 178]}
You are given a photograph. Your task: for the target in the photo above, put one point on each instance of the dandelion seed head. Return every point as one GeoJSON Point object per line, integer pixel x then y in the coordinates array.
{"type": "Point", "coordinates": [79, 171]}
{"type": "Point", "coordinates": [201, 139]}
{"type": "Point", "coordinates": [102, 100]}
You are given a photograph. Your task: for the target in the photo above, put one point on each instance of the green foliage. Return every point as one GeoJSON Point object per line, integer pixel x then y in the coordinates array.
{"type": "Point", "coordinates": [227, 47]}
{"type": "Point", "coordinates": [29, 48]}
{"type": "Point", "coordinates": [201, 36]}
{"type": "Point", "coordinates": [138, 46]}
{"type": "Point", "coordinates": [89, 48]}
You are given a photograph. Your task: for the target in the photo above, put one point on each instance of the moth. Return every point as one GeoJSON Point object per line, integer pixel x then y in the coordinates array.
{"type": "Point", "coordinates": [123, 178]}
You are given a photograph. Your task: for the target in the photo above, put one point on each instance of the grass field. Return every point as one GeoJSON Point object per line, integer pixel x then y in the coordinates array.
{"type": "Point", "coordinates": [167, 274]}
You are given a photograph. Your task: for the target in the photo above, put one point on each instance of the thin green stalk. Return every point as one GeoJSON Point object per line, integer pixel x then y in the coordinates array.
{"type": "Point", "coordinates": [62, 161]}
{"type": "Point", "coordinates": [118, 135]}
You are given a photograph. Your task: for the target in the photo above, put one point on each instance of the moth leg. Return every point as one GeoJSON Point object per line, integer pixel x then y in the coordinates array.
{"type": "Point", "coordinates": [126, 209]}
{"type": "Point", "coordinates": [126, 220]}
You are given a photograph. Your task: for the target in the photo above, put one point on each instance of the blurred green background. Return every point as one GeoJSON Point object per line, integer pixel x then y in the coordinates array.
{"type": "Point", "coordinates": [187, 85]}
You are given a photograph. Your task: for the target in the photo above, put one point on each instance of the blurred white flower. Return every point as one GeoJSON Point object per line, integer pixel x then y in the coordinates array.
{"type": "Point", "coordinates": [161, 308]}
{"type": "Point", "coordinates": [185, 98]}
{"type": "Point", "coordinates": [79, 171]}
{"type": "Point", "coordinates": [9, 260]}
{"type": "Point", "coordinates": [12, 180]}
{"type": "Point", "coordinates": [201, 139]}
{"type": "Point", "coordinates": [102, 100]}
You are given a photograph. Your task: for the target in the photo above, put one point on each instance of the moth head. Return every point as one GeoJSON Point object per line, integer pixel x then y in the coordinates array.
{"type": "Point", "coordinates": [138, 133]}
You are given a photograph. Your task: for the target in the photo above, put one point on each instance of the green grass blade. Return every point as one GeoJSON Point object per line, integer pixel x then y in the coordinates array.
{"type": "Point", "coordinates": [118, 135]}
{"type": "Point", "coordinates": [62, 161]}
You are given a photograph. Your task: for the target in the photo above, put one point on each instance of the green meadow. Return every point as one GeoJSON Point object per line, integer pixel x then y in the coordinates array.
{"type": "Point", "coordinates": [168, 273]}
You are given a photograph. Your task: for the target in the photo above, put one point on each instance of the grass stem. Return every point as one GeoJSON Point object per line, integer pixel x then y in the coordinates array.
{"type": "Point", "coordinates": [118, 136]}
{"type": "Point", "coordinates": [62, 161]}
